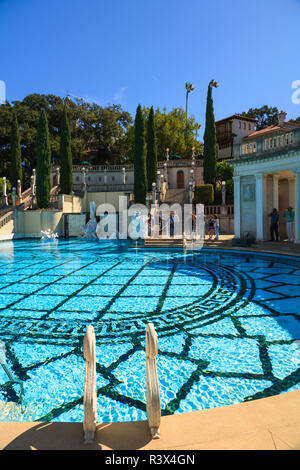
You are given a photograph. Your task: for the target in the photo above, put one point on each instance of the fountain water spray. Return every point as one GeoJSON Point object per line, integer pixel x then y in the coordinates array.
{"type": "Point", "coordinates": [48, 235]}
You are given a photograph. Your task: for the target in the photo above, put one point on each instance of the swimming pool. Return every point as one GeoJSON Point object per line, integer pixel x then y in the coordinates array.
{"type": "Point", "coordinates": [226, 323]}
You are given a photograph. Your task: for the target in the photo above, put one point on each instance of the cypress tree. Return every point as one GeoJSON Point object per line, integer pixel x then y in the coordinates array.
{"type": "Point", "coordinates": [139, 158]}
{"type": "Point", "coordinates": [16, 166]}
{"type": "Point", "coordinates": [66, 176]}
{"type": "Point", "coordinates": [43, 183]}
{"type": "Point", "coordinates": [210, 141]}
{"type": "Point", "coordinates": [151, 151]}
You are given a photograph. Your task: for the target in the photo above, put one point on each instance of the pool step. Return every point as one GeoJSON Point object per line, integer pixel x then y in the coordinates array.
{"type": "Point", "coordinates": [160, 242]}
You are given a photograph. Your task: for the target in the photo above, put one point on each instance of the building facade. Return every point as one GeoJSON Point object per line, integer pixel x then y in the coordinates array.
{"type": "Point", "coordinates": [230, 132]}
{"type": "Point", "coordinates": [176, 173]}
{"type": "Point", "coordinates": [267, 175]}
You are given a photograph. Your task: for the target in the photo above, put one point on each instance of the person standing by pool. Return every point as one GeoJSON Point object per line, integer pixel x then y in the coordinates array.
{"type": "Point", "coordinates": [289, 216]}
{"type": "Point", "coordinates": [210, 227]}
{"type": "Point", "coordinates": [274, 224]}
{"type": "Point", "coordinates": [216, 226]}
{"type": "Point", "coordinates": [172, 222]}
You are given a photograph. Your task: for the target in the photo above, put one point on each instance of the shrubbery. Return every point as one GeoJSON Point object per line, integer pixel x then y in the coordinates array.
{"type": "Point", "coordinates": [204, 194]}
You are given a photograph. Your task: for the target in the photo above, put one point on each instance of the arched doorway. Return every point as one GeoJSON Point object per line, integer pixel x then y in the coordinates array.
{"type": "Point", "coordinates": [180, 179]}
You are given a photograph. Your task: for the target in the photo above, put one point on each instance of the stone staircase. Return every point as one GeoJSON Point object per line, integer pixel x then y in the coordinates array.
{"type": "Point", "coordinates": [179, 196]}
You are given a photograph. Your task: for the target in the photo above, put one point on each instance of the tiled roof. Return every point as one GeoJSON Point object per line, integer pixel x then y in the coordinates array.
{"type": "Point", "coordinates": [236, 116]}
{"type": "Point", "coordinates": [286, 126]}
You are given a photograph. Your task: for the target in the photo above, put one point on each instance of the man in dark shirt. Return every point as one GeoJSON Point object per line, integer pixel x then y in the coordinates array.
{"type": "Point", "coordinates": [274, 224]}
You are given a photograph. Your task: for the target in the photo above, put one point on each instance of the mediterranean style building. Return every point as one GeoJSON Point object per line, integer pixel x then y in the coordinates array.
{"type": "Point", "coordinates": [171, 175]}
{"type": "Point", "coordinates": [230, 132]}
{"type": "Point", "coordinates": [267, 175]}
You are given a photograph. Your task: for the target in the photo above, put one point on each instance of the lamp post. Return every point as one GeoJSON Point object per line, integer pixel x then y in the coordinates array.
{"type": "Point", "coordinates": [223, 206]}
{"type": "Point", "coordinates": [191, 191]}
{"type": "Point", "coordinates": [193, 155]}
{"type": "Point", "coordinates": [153, 193]}
{"type": "Point", "coordinates": [32, 190]}
{"type": "Point", "coordinates": [223, 193]}
{"type": "Point", "coordinates": [19, 191]}
{"type": "Point", "coordinates": [4, 186]}
{"type": "Point", "coordinates": [124, 175]}
{"type": "Point", "coordinates": [192, 175]}
{"type": "Point", "coordinates": [191, 185]}
{"type": "Point", "coordinates": [57, 176]}
{"type": "Point", "coordinates": [83, 179]}
{"type": "Point", "coordinates": [167, 154]}
{"type": "Point", "coordinates": [14, 197]}
{"type": "Point", "coordinates": [158, 185]}
{"type": "Point", "coordinates": [166, 172]}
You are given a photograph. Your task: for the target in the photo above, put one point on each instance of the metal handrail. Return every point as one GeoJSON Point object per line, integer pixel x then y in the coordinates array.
{"type": "Point", "coordinates": [90, 390]}
{"type": "Point", "coordinates": [152, 384]}
{"type": "Point", "coordinates": [8, 372]}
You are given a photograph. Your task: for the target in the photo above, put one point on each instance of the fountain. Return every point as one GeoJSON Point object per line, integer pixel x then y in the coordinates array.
{"type": "Point", "coordinates": [48, 235]}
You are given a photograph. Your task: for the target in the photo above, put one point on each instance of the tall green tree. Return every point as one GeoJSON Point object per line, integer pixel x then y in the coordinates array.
{"type": "Point", "coordinates": [266, 116]}
{"type": "Point", "coordinates": [43, 167]}
{"type": "Point", "coordinates": [151, 150]}
{"type": "Point", "coordinates": [139, 158]}
{"type": "Point", "coordinates": [15, 157]}
{"type": "Point", "coordinates": [210, 141]}
{"type": "Point", "coordinates": [189, 87]}
{"type": "Point", "coordinates": [65, 154]}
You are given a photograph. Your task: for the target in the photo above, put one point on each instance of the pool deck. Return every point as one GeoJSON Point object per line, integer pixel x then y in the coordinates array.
{"type": "Point", "coordinates": [280, 248]}
{"type": "Point", "coordinates": [271, 423]}
{"type": "Point", "coordinates": [267, 424]}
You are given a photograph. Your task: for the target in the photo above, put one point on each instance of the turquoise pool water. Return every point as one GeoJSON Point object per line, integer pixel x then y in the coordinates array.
{"type": "Point", "coordinates": [226, 323]}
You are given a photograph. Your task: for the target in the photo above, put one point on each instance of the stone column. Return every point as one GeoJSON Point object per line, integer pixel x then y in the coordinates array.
{"type": "Point", "coordinates": [260, 191]}
{"type": "Point", "coordinates": [237, 206]}
{"type": "Point", "coordinates": [275, 192]}
{"type": "Point", "coordinates": [291, 183]}
{"type": "Point", "coordinates": [297, 204]}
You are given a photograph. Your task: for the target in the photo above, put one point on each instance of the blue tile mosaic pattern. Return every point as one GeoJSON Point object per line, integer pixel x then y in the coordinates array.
{"type": "Point", "coordinates": [226, 323]}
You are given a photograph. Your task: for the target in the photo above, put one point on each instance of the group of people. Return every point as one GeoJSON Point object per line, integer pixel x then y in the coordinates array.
{"type": "Point", "coordinates": [213, 227]}
{"type": "Point", "coordinates": [289, 217]}
{"type": "Point", "coordinates": [212, 224]}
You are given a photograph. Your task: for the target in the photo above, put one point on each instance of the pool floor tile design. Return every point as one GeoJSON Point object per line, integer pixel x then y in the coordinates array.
{"type": "Point", "coordinates": [226, 325]}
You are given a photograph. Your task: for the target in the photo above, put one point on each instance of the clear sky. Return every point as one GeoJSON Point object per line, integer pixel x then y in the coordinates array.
{"type": "Point", "coordinates": [138, 51]}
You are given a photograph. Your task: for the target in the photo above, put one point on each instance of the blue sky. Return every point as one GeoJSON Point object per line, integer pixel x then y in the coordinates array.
{"type": "Point", "coordinates": [137, 51]}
